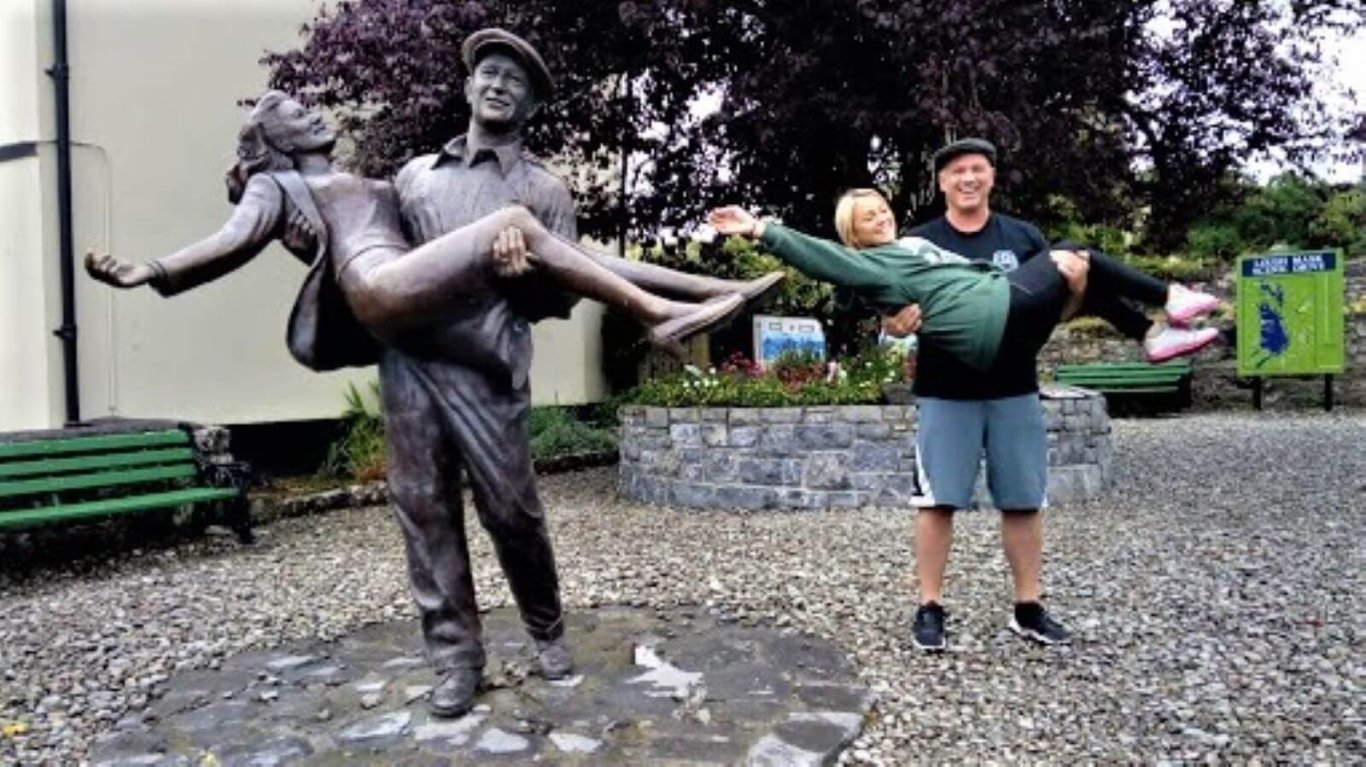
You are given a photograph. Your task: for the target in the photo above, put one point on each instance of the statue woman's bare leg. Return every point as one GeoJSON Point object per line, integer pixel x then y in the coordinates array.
{"type": "Point", "coordinates": [390, 294]}
{"type": "Point", "coordinates": [661, 279]}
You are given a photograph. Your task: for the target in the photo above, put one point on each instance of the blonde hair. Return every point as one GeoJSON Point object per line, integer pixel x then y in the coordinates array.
{"type": "Point", "coordinates": [844, 213]}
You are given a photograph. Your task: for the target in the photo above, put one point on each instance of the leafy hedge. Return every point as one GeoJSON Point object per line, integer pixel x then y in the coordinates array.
{"type": "Point", "coordinates": [792, 380]}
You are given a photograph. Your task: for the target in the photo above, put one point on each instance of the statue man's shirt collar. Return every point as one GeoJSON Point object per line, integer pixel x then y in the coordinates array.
{"type": "Point", "coordinates": [460, 149]}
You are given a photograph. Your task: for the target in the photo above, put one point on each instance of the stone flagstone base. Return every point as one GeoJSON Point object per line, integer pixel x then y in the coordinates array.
{"type": "Point", "coordinates": [651, 688]}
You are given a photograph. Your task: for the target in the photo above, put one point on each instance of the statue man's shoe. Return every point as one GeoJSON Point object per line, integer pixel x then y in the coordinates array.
{"type": "Point", "coordinates": [716, 312]}
{"type": "Point", "coordinates": [454, 695]}
{"type": "Point", "coordinates": [554, 659]}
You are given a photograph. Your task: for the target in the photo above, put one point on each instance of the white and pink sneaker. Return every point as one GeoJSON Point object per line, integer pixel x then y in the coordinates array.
{"type": "Point", "coordinates": [1171, 342]}
{"type": "Point", "coordinates": [1184, 305]}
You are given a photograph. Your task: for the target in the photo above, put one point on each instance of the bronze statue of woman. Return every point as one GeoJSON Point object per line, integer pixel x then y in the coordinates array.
{"type": "Point", "coordinates": [348, 229]}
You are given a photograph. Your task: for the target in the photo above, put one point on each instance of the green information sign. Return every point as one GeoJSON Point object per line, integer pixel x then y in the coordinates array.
{"type": "Point", "coordinates": [1290, 319]}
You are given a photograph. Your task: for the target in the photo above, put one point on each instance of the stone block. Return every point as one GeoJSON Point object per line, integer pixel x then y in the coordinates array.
{"type": "Point", "coordinates": [874, 456]}
{"type": "Point", "coordinates": [666, 464]}
{"type": "Point", "coordinates": [874, 431]}
{"type": "Point", "coordinates": [831, 436]}
{"type": "Point", "coordinates": [747, 497]}
{"type": "Point", "coordinates": [631, 414]}
{"type": "Point", "coordinates": [760, 471]}
{"type": "Point", "coordinates": [692, 456]}
{"type": "Point", "coordinates": [713, 414]}
{"type": "Point", "coordinates": [818, 414]}
{"type": "Point", "coordinates": [721, 466]}
{"type": "Point", "coordinates": [692, 474]}
{"type": "Point", "coordinates": [847, 500]}
{"type": "Point", "coordinates": [657, 417]}
{"type": "Point", "coordinates": [895, 412]}
{"type": "Point", "coordinates": [827, 471]}
{"type": "Point", "coordinates": [714, 434]}
{"type": "Point", "coordinates": [743, 415]}
{"type": "Point", "coordinates": [684, 415]}
{"type": "Point", "coordinates": [743, 436]}
{"type": "Point", "coordinates": [693, 495]}
{"type": "Point", "coordinates": [794, 498]}
{"type": "Point", "coordinates": [861, 413]}
{"type": "Point", "coordinates": [685, 435]}
{"type": "Point", "coordinates": [779, 439]}
{"type": "Point", "coordinates": [780, 415]}
{"type": "Point", "coordinates": [866, 481]}
{"type": "Point", "coordinates": [1073, 484]}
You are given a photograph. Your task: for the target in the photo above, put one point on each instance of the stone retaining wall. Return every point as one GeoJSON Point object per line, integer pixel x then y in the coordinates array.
{"type": "Point", "coordinates": [826, 457]}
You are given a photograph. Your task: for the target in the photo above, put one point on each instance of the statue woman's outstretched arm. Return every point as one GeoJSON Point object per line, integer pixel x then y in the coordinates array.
{"type": "Point", "coordinates": [254, 223]}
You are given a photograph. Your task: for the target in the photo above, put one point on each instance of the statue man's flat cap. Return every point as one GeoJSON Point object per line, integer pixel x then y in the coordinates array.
{"type": "Point", "coordinates": [485, 41]}
{"type": "Point", "coordinates": [964, 146]}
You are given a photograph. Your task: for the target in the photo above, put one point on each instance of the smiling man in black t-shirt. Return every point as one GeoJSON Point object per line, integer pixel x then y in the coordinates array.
{"type": "Point", "coordinates": [965, 414]}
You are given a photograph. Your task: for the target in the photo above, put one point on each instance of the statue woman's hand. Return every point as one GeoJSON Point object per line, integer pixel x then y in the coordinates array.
{"type": "Point", "coordinates": [734, 219]}
{"type": "Point", "coordinates": [112, 271]}
{"type": "Point", "coordinates": [510, 256]}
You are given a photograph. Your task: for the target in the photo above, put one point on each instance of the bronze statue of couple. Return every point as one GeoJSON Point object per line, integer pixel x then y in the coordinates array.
{"type": "Point", "coordinates": [435, 278]}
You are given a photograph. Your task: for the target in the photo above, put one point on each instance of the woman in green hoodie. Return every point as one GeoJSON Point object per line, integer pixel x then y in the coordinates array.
{"type": "Point", "coordinates": [971, 309]}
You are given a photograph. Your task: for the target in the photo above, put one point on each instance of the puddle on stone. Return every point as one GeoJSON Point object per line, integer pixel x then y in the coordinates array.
{"type": "Point", "coordinates": [668, 680]}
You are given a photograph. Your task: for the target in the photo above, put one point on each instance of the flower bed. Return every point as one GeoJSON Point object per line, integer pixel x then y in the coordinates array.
{"type": "Point", "coordinates": [826, 456]}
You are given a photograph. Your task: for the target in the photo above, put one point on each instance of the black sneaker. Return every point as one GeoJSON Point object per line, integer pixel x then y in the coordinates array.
{"type": "Point", "coordinates": [1032, 621]}
{"type": "Point", "coordinates": [928, 630]}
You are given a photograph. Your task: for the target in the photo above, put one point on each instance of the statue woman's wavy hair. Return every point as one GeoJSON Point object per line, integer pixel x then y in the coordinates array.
{"type": "Point", "coordinates": [255, 151]}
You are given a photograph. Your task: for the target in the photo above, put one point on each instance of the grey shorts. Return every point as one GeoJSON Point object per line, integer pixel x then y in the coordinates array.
{"type": "Point", "coordinates": [954, 435]}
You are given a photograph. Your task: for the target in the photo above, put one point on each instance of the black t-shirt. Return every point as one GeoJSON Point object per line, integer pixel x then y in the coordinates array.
{"type": "Point", "coordinates": [1007, 242]}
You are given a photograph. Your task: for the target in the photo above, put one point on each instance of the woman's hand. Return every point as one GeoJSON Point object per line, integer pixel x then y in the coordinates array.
{"type": "Point", "coordinates": [905, 322]}
{"type": "Point", "coordinates": [120, 274]}
{"type": "Point", "coordinates": [1073, 265]}
{"type": "Point", "coordinates": [733, 219]}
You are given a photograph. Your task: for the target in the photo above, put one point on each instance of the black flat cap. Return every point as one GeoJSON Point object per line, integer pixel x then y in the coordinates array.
{"type": "Point", "coordinates": [486, 41]}
{"type": "Point", "coordinates": [961, 147]}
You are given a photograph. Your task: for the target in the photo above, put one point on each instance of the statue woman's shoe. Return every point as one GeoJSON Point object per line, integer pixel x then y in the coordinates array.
{"type": "Point", "coordinates": [454, 695]}
{"type": "Point", "coordinates": [713, 314]}
{"type": "Point", "coordinates": [760, 289]}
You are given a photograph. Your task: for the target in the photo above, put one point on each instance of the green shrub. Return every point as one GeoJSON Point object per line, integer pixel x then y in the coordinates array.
{"type": "Point", "coordinates": [359, 453]}
{"type": "Point", "coordinates": [1176, 268]}
{"type": "Point", "coordinates": [558, 431]}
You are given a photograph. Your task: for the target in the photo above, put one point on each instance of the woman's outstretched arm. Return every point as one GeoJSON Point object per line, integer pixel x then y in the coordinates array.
{"type": "Point", "coordinates": [254, 223]}
{"type": "Point", "coordinates": [816, 258]}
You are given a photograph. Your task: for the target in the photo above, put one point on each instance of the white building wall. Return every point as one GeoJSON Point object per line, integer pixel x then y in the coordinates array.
{"type": "Point", "coordinates": [30, 362]}
{"type": "Point", "coordinates": [154, 88]}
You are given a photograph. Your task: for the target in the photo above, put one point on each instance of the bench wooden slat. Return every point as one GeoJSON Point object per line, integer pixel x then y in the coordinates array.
{"type": "Point", "coordinates": [96, 479]}
{"type": "Point", "coordinates": [114, 506]}
{"type": "Point", "coordinates": [1105, 375]}
{"type": "Point", "coordinates": [91, 444]}
{"type": "Point", "coordinates": [48, 466]}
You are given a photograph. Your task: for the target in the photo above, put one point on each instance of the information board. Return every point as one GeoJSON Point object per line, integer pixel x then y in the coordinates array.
{"type": "Point", "coordinates": [1290, 319]}
{"type": "Point", "coordinates": [775, 335]}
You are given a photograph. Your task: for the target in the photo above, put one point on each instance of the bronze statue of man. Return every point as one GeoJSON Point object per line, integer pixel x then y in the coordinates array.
{"type": "Point", "coordinates": [446, 321]}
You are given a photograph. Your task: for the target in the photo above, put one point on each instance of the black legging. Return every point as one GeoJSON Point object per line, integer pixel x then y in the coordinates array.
{"type": "Point", "coordinates": [1038, 295]}
{"type": "Point", "coordinates": [1130, 322]}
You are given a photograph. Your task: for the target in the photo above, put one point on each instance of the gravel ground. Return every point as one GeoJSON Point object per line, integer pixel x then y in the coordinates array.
{"type": "Point", "coordinates": [1215, 595]}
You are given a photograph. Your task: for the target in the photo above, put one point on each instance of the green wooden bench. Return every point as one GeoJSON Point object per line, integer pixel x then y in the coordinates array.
{"type": "Point", "coordinates": [1131, 379]}
{"type": "Point", "coordinates": [66, 478]}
